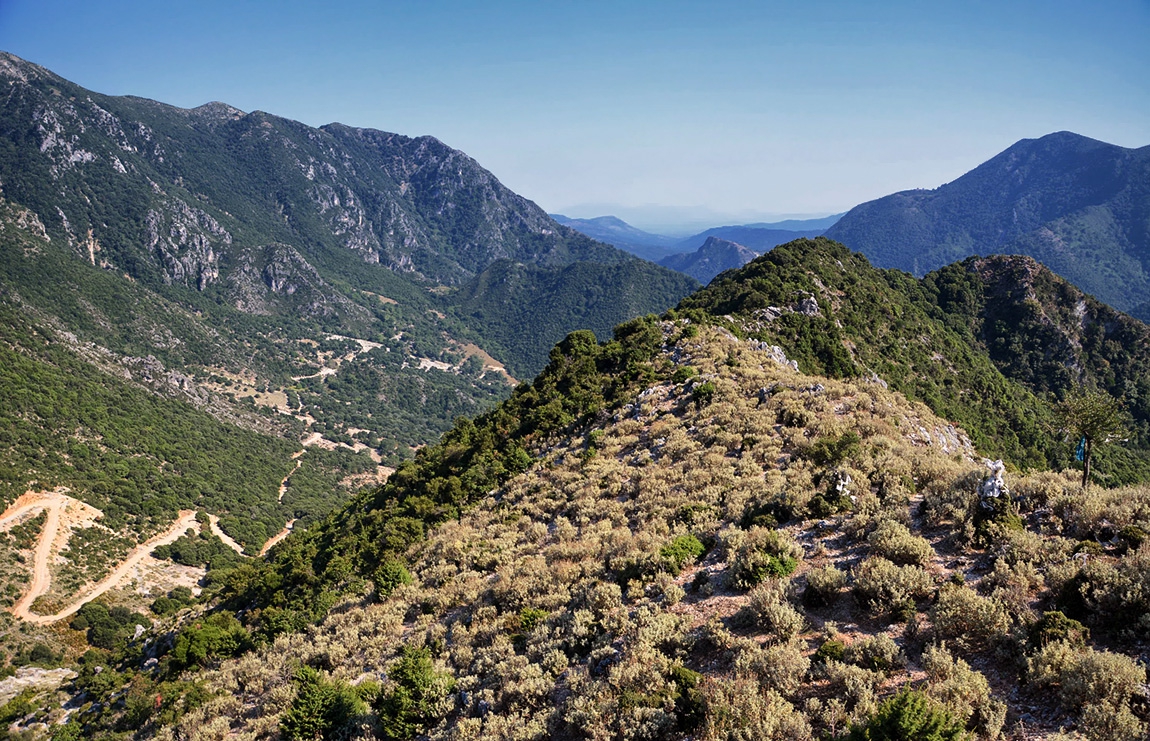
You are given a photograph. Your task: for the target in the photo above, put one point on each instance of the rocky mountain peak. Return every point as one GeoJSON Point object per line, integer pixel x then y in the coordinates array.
{"type": "Point", "coordinates": [713, 257]}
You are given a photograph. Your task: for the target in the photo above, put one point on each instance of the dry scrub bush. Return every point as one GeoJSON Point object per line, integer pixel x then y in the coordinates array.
{"type": "Point", "coordinates": [1093, 682]}
{"type": "Point", "coordinates": [739, 710]}
{"type": "Point", "coordinates": [824, 585]}
{"type": "Point", "coordinates": [882, 585]}
{"type": "Point", "coordinates": [1098, 683]}
{"type": "Point", "coordinates": [1040, 489]}
{"type": "Point", "coordinates": [782, 667]}
{"type": "Point", "coordinates": [967, 619]}
{"type": "Point", "coordinates": [878, 653]}
{"type": "Point", "coordinates": [1015, 586]}
{"type": "Point", "coordinates": [950, 495]}
{"type": "Point", "coordinates": [768, 608]}
{"type": "Point", "coordinates": [856, 685]}
{"type": "Point", "coordinates": [1023, 546]}
{"type": "Point", "coordinates": [1088, 513]}
{"type": "Point", "coordinates": [894, 541]}
{"type": "Point", "coordinates": [1118, 594]}
{"type": "Point", "coordinates": [963, 691]}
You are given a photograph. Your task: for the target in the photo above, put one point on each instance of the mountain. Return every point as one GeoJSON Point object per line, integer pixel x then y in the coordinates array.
{"type": "Point", "coordinates": [799, 225]}
{"type": "Point", "coordinates": [615, 231]}
{"type": "Point", "coordinates": [984, 343]}
{"type": "Point", "coordinates": [762, 237]}
{"type": "Point", "coordinates": [712, 258]}
{"type": "Point", "coordinates": [239, 315]}
{"type": "Point", "coordinates": [508, 297]}
{"type": "Point", "coordinates": [656, 247]}
{"type": "Point", "coordinates": [679, 534]}
{"type": "Point", "coordinates": [1079, 206]}
{"type": "Point", "coordinates": [755, 238]}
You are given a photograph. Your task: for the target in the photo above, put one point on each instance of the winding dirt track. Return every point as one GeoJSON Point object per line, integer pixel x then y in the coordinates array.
{"type": "Point", "coordinates": [41, 577]}
{"type": "Point", "coordinates": [214, 525]}
{"type": "Point", "coordinates": [278, 537]}
{"type": "Point", "coordinates": [186, 519]}
{"type": "Point", "coordinates": [64, 513]}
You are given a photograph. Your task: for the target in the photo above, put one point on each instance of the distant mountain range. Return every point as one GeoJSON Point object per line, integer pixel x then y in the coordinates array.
{"type": "Point", "coordinates": [759, 237]}
{"type": "Point", "coordinates": [1079, 206]}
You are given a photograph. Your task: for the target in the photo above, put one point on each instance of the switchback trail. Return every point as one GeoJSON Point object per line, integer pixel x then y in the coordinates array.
{"type": "Point", "coordinates": [41, 577]}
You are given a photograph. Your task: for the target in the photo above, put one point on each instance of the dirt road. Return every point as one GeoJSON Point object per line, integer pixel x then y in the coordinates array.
{"type": "Point", "coordinates": [278, 537]}
{"type": "Point", "coordinates": [41, 576]}
{"type": "Point", "coordinates": [214, 524]}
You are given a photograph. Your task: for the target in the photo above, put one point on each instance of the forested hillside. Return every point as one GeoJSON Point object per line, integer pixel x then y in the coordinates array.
{"type": "Point", "coordinates": [252, 288]}
{"type": "Point", "coordinates": [1079, 206]}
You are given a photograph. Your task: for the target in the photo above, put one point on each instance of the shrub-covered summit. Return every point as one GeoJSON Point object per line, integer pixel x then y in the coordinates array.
{"type": "Point", "coordinates": [988, 343]}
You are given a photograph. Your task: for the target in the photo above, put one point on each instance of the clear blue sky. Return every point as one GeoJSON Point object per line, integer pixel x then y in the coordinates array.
{"type": "Point", "coordinates": [664, 112]}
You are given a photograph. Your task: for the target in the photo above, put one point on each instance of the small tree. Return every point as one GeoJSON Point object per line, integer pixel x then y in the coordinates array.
{"type": "Point", "coordinates": [1095, 418]}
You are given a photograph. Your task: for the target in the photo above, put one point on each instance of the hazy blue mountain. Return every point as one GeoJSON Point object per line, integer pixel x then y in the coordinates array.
{"type": "Point", "coordinates": [713, 257]}
{"type": "Point", "coordinates": [655, 247]}
{"type": "Point", "coordinates": [1079, 206]}
{"type": "Point", "coordinates": [615, 231]}
{"type": "Point", "coordinates": [800, 225]}
{"type": "Point", "coordinates": [758, 238]}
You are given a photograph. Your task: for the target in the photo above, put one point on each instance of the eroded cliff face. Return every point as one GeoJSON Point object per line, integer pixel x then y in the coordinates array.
{"type": "Point", "coordinates": [186, 242]}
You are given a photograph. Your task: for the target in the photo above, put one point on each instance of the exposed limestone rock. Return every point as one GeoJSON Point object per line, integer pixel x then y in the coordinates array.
{"type": "Point", "coordinates": [184, 239]}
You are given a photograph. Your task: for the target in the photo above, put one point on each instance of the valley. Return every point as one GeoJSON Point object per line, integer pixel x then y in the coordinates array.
{"type": "Point", "coordinates": [324, 433]}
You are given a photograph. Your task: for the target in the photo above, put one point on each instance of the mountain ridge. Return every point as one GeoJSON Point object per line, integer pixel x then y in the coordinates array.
{"type": "Point", "coordinates": [1078, 205]}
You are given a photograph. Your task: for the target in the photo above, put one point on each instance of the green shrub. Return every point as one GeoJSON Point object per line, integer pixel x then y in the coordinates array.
{"type": "Point", "coordinates": [704, 392]}
{"type": "Point", "coordinates": [760, 553]}
{"type": "Point", "coordinates": [529, 617]}
{"type": "Point", "coordinates": [878, 653]}
{"type": "Point", "coordinates": [322, 708]}
{"type": "Point", "coordinates": [910, 716]}
{"type": "Point", "coordinates": [216, 637]}
{"type": "Point", "coordinates": [680, 551]}
{"type": "Point", "coordinates": [1055, 626]}
{"type": "Point", "coordinates": [391, 575]}
{"type": "Point", "coordinates": [834, 450]}
{"type": "Point", "coordinates": [831, 650]}
{"type": "Point", "coordinates": [684, 373]}
{"type": "Point", "coordinates": [416, 697]}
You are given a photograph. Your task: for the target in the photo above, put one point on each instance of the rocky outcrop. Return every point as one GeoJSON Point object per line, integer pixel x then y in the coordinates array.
{"type": "Point", "coordinates": [277, 277]}
{"type": "Point", "coordinates": [184, 241]}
